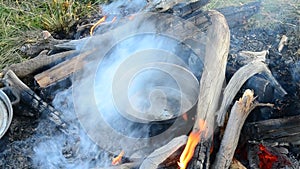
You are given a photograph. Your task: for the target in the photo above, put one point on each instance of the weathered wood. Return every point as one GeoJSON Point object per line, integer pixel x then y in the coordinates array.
{"type": "Point", "coordinates": [238, 79]}
{"type": "Point", "coordinates": [30, 66]}
{"type": "Point", "coordinates": [211, 83]}
{"type": "Point", "coordinates": [62, 70]}
{"type": "Point", "coordinates": [239, 112]}
{"type": "Point", "coordinates": [161, 154]}
{"type": "Point", "coordinates": [282, 130]}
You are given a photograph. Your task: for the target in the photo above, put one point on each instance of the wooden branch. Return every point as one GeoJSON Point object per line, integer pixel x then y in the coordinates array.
{"type": "Point", "coordinates": [28, 67]}
{"type": "Point", "coordinates": [160, 155]}
{"type": "Point", "coordinates": [62, 70]}
{"type": "Point", "coordinates": [45, 42]}
{"type": "Point", "coordinates": [238, 79]}
{"type": "Point", "coordinates": [238, 115]}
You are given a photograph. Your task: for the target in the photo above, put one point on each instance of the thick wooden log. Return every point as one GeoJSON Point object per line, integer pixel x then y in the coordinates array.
{"type": "Point", "coordinates": [211, 84]}
{"type": "Point", "coordinates": [239, 112]}
{"type": "Point", "coordinates": [282, 130]}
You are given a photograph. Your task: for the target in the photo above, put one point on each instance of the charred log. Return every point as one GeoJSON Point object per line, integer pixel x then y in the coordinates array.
{"type": "Point", "coordinates": [282, 130]}
{"type": "Point", "coordinates": [32, 99]}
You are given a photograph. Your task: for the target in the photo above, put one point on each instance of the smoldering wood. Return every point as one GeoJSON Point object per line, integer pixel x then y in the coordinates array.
{"type": "Point", "coordinates": [156, 158]}
{"type": "Point", "coordinates": [239, 112]}
{"type": "Point", "coordinates": [282, 130]}
{"type": "Point", "coordinates": [284, 158]}
{"type": "Point", "coordinates": [30, 66]}
{"type": "Point", "coordinates": [32, 99]}
{"type": "Point", "coordinates": [211, 84]}
{"type": "Point", "coordinates": [238, 79]}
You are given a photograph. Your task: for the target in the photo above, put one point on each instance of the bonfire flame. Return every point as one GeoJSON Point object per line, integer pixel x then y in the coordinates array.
{"type": "Point", "coordinates": [117, 160]}
{"type": "Point", "coordinates": [193, 140]}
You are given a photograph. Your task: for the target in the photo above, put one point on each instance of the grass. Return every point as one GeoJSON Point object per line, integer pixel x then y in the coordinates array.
{"type": "Point", "coordinates": [22, 21]}
{"type": "Point", "coordinates": [272, 12]}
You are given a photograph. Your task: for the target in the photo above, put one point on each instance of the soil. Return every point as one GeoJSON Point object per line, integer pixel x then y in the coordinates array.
{"type": "Point", "coordinates": [25, 132]}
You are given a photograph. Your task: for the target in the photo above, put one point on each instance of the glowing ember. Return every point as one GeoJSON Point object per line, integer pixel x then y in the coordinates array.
{"type": "Point", "coordinates": [193, 140]}
{"type": "Point", "coordinates": [96, 24]}
{"type": "Point", "coordinates": [266, 158]}
{"type": "Point", "coordinates": [117, 160]}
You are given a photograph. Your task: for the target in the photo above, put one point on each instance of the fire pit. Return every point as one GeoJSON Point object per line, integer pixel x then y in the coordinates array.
{"type": "Point", "coordinates": [148, 91]}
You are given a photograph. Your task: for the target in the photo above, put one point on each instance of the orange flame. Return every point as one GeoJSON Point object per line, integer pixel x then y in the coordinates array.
{"type": "Point", "coordinates": [193, 140]}
{"type": "Point", "coordinates": [117, 160]}
{"type": "Point", "coordinates": [96, 24]}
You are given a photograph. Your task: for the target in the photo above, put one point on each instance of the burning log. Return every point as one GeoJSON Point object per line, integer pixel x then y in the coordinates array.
{"type": "Point", "coordinates": [211, 84]}
{"type": "Point", "coordinates": [239, 112]}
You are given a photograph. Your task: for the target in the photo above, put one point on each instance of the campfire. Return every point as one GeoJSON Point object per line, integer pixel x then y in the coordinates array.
{"type": "Point", "coordinates": [159, 87]}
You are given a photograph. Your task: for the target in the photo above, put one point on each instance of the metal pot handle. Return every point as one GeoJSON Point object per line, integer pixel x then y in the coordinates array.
{"type": "Point", "coordinates": [12, 94]}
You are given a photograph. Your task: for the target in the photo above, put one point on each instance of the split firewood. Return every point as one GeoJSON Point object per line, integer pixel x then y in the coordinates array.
{"type": "Point", "coordinates": [268, 130]}
{"type": "Point", "coordinates": [239, 112]}
{"type": "Point", "coordinates": [62, 70]}
{"type": "Point", "coordinates": [30, 66]}
{"type": "Point", "coordinates": [282, 43]}
{"type": "Point", "coordinates": [161, 154]}
{"type": "Point", "coordinates": [236, 165]}
{"type": "Point", "coordinates": [238, 79]}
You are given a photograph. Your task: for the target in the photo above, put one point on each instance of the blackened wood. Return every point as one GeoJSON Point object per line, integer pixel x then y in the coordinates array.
{"type": "Point", "coordinates": [238, 15]}
{"type": "Point", "coordinates": [33, 100]}
{"type": "Point", "coordinates": [183, 10]}
{"type": "Point", "coordinates": [282, 130]}
{"type": "Point", "coordinates": [201, 155]}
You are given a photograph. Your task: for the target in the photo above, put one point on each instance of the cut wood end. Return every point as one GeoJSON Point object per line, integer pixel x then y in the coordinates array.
{"type": "Point", "coordinates": [247, 98]}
